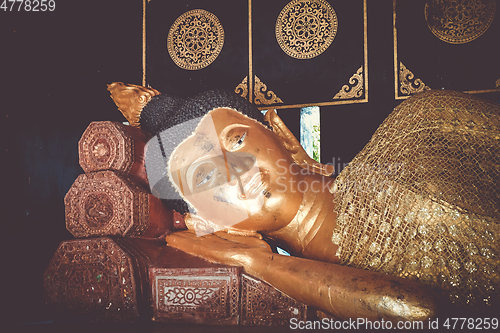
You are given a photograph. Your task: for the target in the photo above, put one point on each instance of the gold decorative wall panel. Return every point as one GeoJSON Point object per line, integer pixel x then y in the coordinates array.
{"type": "Point", "coordinates": [458, 22]}
{"type": "Point", "coordinates": [293, 47]}
{"type": "Point", "coordinates": [306, 28]}
{"type": "Point", "coordinates": [446, 44]}
{"type": "Point", "coordinates": [318, 57]}
{"type": "Point", "coordinates": [195, 39]}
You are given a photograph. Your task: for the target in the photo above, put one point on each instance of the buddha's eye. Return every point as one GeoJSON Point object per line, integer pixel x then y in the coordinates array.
{"type": "Point", "coordinates": [235, 167]}
{"type": "Point", "coordinates": [238, 141]}
{"type": "Point", "coordinates": [204, 177]}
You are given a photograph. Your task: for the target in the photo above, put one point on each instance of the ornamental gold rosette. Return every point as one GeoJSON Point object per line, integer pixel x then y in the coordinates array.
{"type": "Point", "coordinates": [195, 39]}
{"type": "Point", "coordinates": [459, 21]}
{"type": "Point", "coordinates": [306, 28]}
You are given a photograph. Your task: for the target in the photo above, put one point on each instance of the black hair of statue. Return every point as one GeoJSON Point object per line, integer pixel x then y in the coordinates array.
{"type": "Point", "coordinates": [165, 111]}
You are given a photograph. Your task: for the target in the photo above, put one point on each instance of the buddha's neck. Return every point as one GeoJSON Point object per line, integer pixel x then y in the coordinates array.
{"type": "Point", "coordinates": [315, 209]}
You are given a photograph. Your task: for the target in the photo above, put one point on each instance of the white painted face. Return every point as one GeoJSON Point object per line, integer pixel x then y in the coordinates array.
{"type": "Point", "coordinates": [233, 171]}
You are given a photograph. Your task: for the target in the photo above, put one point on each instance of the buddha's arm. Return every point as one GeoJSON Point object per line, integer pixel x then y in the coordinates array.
{"type": "Point", "coordinates": [341, 291]}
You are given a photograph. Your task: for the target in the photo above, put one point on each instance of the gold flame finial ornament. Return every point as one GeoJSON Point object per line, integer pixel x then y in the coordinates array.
{"type": "Point", "coordinates": [131, 99]}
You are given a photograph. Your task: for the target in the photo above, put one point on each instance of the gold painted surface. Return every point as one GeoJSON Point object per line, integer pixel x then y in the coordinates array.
{"type": "Point", "coordinates": [250, 52]}
{"type": "Point", "coordinates": [343, 292]}
{"type": "Point", "coordinates": [299, 155]}
{"type": "Point", "coordinates": [305, 105]}
{"type": "Point", "coordinates": [395, 44]}
{"type": "Point", "coordinates": [459, 22]}
{"type": "Point", "coordinates": [481, 91]}
{"type": "Point", "coordinates": [195, 39]}
{"type": "Point", "coordinates": [306, 28]}
{"type": "Point", "coordinates": [497, 84]}
{"type": "Point", "coordinates": [409, 84]}
{"type": "Point", "coordinates": [422, 199]}
{"type": "Point", "coordinates": [131, 99]}
{"type": "Point", "coordinates": [301, 219]}
{"type": "Point", "coordinates": [144, 43]}
{"type": "Point", "coordinates": [355, 87]}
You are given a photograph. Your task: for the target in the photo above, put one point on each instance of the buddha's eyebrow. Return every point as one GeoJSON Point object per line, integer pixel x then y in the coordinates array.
{"type": "Point", "coordinates": [203, 142]}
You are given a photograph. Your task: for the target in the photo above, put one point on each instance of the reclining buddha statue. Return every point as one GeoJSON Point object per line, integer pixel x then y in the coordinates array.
{"type": "Point", "coordinates": [411, 221]}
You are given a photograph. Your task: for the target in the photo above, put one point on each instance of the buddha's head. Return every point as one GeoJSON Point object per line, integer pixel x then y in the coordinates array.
{"type": "Point", "coordinates": [215, 157]}
{"type": "Point", "coordinates": [236, 173]}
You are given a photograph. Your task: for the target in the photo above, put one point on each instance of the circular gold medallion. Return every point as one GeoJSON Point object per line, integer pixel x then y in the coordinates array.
{"type": "Point", "coordinates": [306, 28]}
{"type": "Point", "coordinates": [195, 39]}
{"type": "Point", "coordinates": [459, 21]}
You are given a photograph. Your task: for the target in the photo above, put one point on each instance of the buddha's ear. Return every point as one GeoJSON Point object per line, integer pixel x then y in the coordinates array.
{"type": "Point", "coordinates": [291, 143]}
{"type": "Point", "coordinates": [131, 99]}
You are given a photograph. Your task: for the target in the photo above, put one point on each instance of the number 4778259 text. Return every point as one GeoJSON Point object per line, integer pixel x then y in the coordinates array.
{"type": "Point", "coordinates": [28, 5]}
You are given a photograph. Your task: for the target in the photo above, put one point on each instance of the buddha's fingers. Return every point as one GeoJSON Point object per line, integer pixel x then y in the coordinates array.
{"type": "Point", "coordinates": [216, 249]}
{"type": "Point", "coordinates": [250, 241]}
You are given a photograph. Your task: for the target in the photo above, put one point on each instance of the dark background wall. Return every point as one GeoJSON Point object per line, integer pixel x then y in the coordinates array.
{"type": "Point", "coordinates": [54, 71]}
{"type": "Point", "coordinates": [53, 76]}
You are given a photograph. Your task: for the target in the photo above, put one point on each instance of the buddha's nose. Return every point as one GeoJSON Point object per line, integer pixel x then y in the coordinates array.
{"type": "Point", "coordinates": [238, 164]}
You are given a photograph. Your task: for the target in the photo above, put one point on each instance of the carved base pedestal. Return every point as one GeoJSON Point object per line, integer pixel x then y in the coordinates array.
{"type": "Point", "coordinates": [264, 305]}
{"type": "Point", "coordinates": [187, 289]}
{"type": "Point", "coordinates": [109, 145]}
{"type": "Point", "coordinates": [93, 281]}
{"type": "Point", "coordinates": [108, 203]}
{"type": "Point", "coordinates": [119, 280]}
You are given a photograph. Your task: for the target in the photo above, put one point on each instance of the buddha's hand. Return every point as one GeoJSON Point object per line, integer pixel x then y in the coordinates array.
{"type": "Point", "coordinates": [221, 247]}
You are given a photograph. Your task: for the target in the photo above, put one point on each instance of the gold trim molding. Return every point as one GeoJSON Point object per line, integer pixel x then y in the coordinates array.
{"type": "Point", "coordinates": [306, 28]}
{"type": "Point", "coordinates": [355, 87]}
{"type": "Point", "coordinates": [262, 96]}
{"type": "Point", "coordinates": [497, 84]}
{"type": "Point", "coordinates": [195, 39]}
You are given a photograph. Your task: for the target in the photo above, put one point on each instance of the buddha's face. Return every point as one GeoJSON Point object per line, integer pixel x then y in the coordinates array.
{"type": "Point", "coordinates": [235, 172]}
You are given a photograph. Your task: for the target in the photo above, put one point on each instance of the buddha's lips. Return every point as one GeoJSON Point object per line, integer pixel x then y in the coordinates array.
{"type": "Point", "coordinates": [254, 187]}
